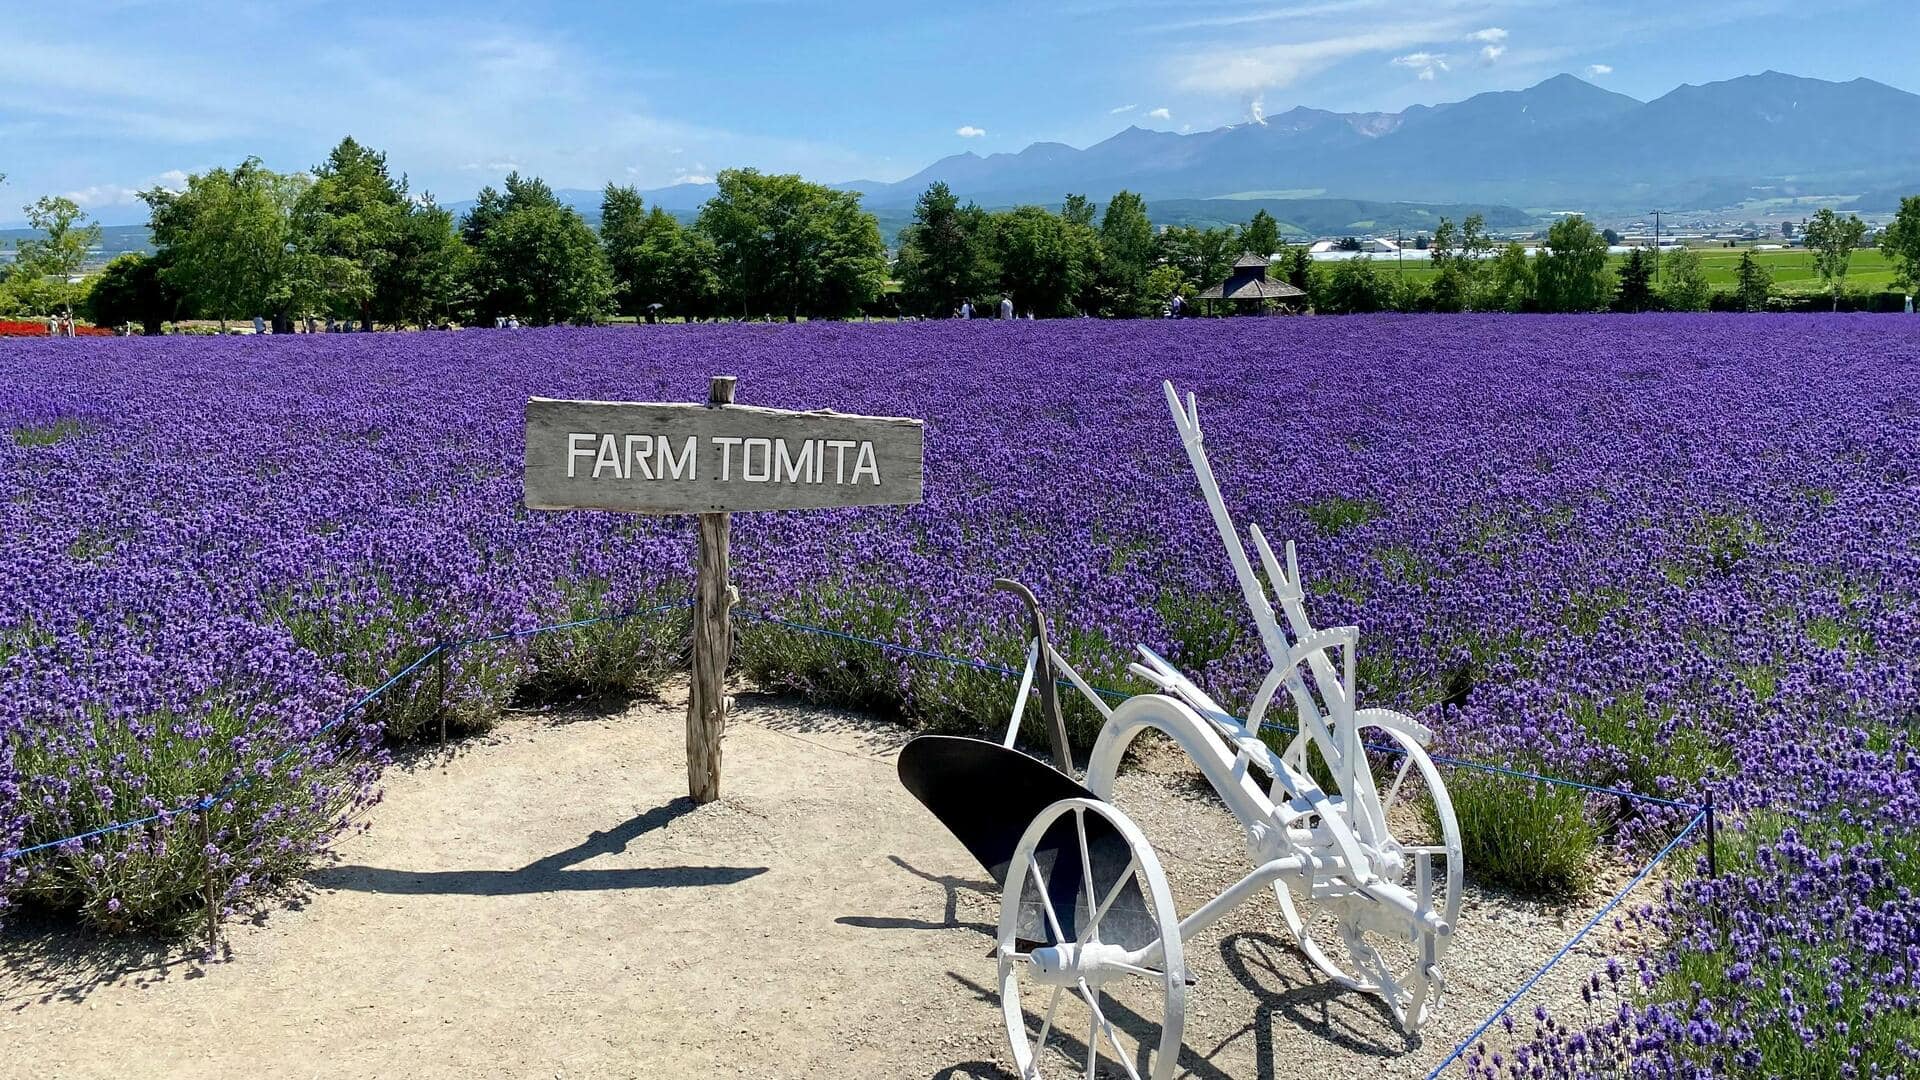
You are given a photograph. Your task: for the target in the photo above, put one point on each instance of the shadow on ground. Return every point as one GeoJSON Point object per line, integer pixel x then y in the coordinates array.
{"type": "Point", "coordinates": [1356, 1021]}
{"type": "Point", "coordinates": [61, 963]}
{"type": "Point", "coordinates": [550, 874]}
{"type": "Point", "coordinates": [949, 919]}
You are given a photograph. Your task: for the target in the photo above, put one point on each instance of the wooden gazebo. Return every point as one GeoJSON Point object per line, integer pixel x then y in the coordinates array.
{"type": "Point", "coordinates": [1247, 283]}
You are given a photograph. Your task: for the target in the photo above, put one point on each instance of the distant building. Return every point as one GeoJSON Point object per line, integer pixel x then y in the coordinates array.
{"type": "Point", "coordinates": [1247, 283]}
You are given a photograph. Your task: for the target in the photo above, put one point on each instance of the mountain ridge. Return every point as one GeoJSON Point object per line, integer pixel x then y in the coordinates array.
{"type": "Point", "coordinates": [1562, 142]}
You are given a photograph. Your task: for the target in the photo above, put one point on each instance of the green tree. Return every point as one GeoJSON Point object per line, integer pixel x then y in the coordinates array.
{"type": "Point", "coordinates": [1127, 257]}
{"type": "Point", "coordinates": [1509, 281]}
{"type": "Point", "coordinates": [1685, 286]}
{"type": "Point", "coordinates": [1449, 290]}
{"type": "Point", "coordinates": [946, 254]}
{"type": "Point", "coordinates": [427, 276]}
{"type": "Point", "coordinates": [1203, 256]}
{"type": "Point", "coordinates": [535, 258]}
{"type": "Point", "coordinates": [131, 290]}
{"type": "Point", "coordinates": [1261, 236]}
{"type": "Point", "coordinates": [1572, 273]}
{"type": "Point", "coordinates": [347, 224]}
{"type": "Point", "coordinates": [1900, 242]}
{"type": "Point", "coordinates": [1355, 288]}
{"type": "Point", "coordinates": [1081, 244]}
{"type": "Point", "coordinates": [1042, 267]}
{"type": "Point", "coordinates": [1299, 268]}
{"type": "Point", "coordinates": [1636, 282]}
{"type": "Point", "coordinates": [654, 260]}
{"type": "Point", "coordinates": [1409, 295]}
{"type": "Point", "coordinates": [228, 240]}
{"type": "Point", "coordinates": [46, 268]}
{"type": "Point", "coordinates": [1754, 284]}
{"type": "Point", "coordinates": [1442, 248]}
{"type": "Point", "coordinates": [1164, 283]}
{"type": "Point", "coordinates": [1832, 239]}
{"type": "Point", "coordinates": [784, 246]}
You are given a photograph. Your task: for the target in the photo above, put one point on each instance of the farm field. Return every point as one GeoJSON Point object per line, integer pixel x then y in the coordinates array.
{"type": "Point", "coordinates": [1666, 553]}
{"type": "Point", "coordinates": [1793, 270]}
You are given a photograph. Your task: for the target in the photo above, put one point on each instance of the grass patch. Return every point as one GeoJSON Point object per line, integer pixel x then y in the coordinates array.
{"type": "Point", "coordinates": [1400, 564]}
{"type": "Point", "coordinates": [626, 655]}
{"type": "Point", "coordinates": [1658, 757]}
{"type": "Point", "coordinates": [49, 434]}
{"type": "Point", "coordinates": [1728, 538]}
{"type": "Point", "coordinates": [1337, 513]}
{"type": "Point", "coordinates": [1525, 835]}
{"type": "Point", "coordinates": [1202, 628]}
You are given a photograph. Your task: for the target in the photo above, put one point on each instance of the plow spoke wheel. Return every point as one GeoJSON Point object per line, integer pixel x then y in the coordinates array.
{"type": "Point", "coordinates": [1087, 922]}
{"type": "Point", "coordinates": [1334, 935]}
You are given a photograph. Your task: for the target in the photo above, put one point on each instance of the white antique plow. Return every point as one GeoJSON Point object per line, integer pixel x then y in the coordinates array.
{"type": "Point", "coordinates": [1086, 912]}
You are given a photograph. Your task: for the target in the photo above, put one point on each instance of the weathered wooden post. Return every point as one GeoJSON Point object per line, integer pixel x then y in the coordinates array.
{"type": "Point", "coordinates": [712, 639]}
{"type": "Point", "coordinates": [713, 459]}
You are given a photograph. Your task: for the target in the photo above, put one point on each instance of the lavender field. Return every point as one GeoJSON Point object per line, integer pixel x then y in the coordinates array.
{"type": "Point", "coordinates": [1663, 553]}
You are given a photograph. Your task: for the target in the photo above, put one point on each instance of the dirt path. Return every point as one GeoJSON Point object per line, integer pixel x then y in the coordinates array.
{"type": "Point", "coordinates": [545, 903]}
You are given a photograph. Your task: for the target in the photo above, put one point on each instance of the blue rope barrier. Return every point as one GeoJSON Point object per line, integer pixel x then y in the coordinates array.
{"type": "Point", "coordinates": [1467, 1043]}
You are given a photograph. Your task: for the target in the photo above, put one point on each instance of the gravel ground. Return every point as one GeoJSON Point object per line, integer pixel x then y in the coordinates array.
{"type": "Point", "coordinates": [543, 902]}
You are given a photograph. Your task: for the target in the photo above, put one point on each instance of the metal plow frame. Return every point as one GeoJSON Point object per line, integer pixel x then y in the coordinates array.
{"type": "Point", "coordinates": [1085, 903]}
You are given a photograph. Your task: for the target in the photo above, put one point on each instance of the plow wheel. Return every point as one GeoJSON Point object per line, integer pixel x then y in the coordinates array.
{"type": "Point", "coordinates": [1345, 934]}
{"type": "Point", "coordinates": [1092, 977]}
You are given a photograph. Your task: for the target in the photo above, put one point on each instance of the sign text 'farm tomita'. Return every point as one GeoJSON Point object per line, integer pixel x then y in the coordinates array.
{"type": "Point", "coordinates": [675, 458]}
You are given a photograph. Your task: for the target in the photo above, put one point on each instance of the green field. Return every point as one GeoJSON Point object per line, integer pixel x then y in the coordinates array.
{"type": "Point", "coordinates": [1793, 270]}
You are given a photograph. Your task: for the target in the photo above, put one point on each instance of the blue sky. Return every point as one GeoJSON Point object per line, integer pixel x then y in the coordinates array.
{"type": "Point", "coordinates": [100, 98]}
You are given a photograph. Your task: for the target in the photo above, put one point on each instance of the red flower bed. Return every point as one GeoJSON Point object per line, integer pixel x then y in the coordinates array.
{"type": "Point", "coordinates": [23, 328]}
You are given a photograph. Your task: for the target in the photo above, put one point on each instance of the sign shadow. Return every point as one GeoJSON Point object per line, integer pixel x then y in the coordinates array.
{"type": "Point", "coordinates": [549, 874]}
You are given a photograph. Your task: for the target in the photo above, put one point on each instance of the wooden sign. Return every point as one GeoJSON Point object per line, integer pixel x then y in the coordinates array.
{"type": "Point", "coordinates": [672, 458]}
{"type": "Point", "coordinates": [653, 458]}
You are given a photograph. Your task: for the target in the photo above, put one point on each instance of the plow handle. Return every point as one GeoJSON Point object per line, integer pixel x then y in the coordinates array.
{"type": "Point", "coordinates": [1044, 674]}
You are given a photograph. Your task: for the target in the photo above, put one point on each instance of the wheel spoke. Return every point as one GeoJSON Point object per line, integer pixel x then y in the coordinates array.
{"type": "Point", "coordinates": [1086, 864]}
{"type": "Point", "coordinates": [1133, 970]}
{"type": "Point", "coordinates": [1100, 1018]}
{"type": "Point", "coordinates": [1046, 1028]}
{"type": "Point", "coordinates": [1093, 1044]}
{"type": "Point", "coordinates": [1086, 933]}
{"type": "Point", "coordinates": [1046, 902]}
{"type": "Point", "coordinates": [1393, 792]}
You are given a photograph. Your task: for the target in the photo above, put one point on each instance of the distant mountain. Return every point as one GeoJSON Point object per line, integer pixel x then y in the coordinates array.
{"type": "Point", "coordinates": [1561, 143]}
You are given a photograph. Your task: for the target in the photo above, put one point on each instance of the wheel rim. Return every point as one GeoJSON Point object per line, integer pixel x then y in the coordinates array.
{"type": "Point", "coordinates": [1111, 1012]}
{"type": "Point", "coordinates": [1361, 959]}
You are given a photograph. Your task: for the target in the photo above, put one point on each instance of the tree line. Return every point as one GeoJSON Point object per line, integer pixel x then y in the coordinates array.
{"type": "Point", "coordinates": [350, 243]}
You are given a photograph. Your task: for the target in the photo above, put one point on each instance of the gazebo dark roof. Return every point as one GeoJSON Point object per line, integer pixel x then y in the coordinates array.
{"type": "Point", "coordinates": [1248, 281]}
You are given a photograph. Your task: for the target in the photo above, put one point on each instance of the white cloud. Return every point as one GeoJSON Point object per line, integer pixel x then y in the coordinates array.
{"type": "Point", "coordinates": [1118, 109]}
{"type": "Point", "coordinates": [1257, 109]}
{"type": "Point", "coordinates": [1426, 63]}
{"type": "Point", "coordinates": [1493, 41]}
{"type": "Point", "coordinates": [96, 197]}
{"type": "Point", "coordinates": [1595, 71]}
{"type": "Point", "coordinates": [1247, 71]}
{"type": "Point", "coordinates": [968, 131]}
{"type": "Point", "coordinates": [1160, 113]}
{"type": "Point", "coordinates": [693, 178]}
{"type": "Point", "coordinates": [453, 102]}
